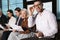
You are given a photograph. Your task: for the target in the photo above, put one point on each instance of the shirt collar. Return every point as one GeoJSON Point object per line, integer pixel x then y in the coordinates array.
{"type": "Point", "coordinates": [41, 13]}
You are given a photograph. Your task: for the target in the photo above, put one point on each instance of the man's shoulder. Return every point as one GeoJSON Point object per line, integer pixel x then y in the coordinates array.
{"type": "Point", "coordinates": [3, 16]}
{"type": "Point", "coordinates": [48, 12]}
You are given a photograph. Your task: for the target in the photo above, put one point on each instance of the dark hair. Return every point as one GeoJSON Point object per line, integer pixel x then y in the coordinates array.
{"type": "Point", "coordinates": [11, 11]}
{"type": "Point", "coordinates": [18, 9]}
{"type": "Point", "coordinates": [39, 1]}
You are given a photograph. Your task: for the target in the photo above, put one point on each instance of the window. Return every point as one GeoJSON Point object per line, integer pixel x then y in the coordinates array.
{"type": "Point", "coordinates": [4, 6]}
{"type": "Point", "coordinates": [12, 5]}
{"type": "Point", "coordinates": [58, 9]}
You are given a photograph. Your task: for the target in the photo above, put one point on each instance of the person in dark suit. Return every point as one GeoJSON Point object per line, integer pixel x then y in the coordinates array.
{"type": "Point", "coordinates": [17, 11]}
{"type": "Point", "coordinates": [3, 19]}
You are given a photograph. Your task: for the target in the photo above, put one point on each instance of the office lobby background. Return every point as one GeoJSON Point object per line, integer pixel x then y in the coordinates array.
{"type": "Point", "coordinates": [52, 5]}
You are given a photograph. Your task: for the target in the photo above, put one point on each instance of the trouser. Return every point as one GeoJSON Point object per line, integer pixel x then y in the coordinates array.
{"type": "Point", "coordinates": [18, 36]}
{"type": "Point", "coordinates": [5, 35]}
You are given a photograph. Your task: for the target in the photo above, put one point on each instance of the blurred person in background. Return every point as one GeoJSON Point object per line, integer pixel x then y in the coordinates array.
{"type": "Point", "coordinates": [3, 19]}
{"type": "Point", "coordinates": [17, 12]}
{"type": "Point", "coordinates": [11, 21]}
{"type": "Point", "coordinates": [24, 24]}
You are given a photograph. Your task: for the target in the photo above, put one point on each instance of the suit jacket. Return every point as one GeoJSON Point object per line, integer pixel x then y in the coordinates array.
{"type": "Point", "coordinates": [19, 20]}
{"type": "Point", "coordinates": [3, 20]}
{"type": "Point", "coordinates": [22, 22]}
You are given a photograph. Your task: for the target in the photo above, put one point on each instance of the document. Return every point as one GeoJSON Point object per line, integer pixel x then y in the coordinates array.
{"type": "Point", "coordinates": [1, 26]}
{"type": "Point", "coordinates": [15, 27]}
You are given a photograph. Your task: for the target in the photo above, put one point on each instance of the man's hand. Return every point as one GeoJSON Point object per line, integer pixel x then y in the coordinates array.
{"type": "Point", "coordinates": [24, 32]}
{"type": "Point", "coordinates": [31, 9]}
{"type": "Point", "coordinates": [5, 30]}
{"type": "Point", "coordinates": [7, 26]}
{"type": "Point", "coordinates": [14, 30]}
{"type": "Point", "coordinates": [39, 34]}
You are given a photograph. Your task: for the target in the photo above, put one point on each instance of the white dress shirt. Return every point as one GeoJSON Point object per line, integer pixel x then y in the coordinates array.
{"type": "Point", "coordinates": [45, 23]}
{"type": "Point", "coordinates": [12, 21]}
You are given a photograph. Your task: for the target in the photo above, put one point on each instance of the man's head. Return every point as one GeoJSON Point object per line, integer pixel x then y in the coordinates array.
{"type": "Point", "coordinates": [17, 11]}
{"type": "Point", "coordinates": [10, 13]}
{"type": "Point", "coordinates": [38, 5]}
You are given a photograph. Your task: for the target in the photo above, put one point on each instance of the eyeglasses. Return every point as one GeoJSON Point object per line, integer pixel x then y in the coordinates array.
{"type": "Point", "coordinates": [37, 5]}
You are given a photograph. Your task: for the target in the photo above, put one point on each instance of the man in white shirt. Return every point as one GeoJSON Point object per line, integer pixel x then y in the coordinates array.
{"type": "Point", "coordinates": [46, 25]}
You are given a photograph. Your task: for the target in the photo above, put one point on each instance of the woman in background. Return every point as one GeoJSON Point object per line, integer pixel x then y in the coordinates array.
{"type": "Point", "coordinates": [11, 21]}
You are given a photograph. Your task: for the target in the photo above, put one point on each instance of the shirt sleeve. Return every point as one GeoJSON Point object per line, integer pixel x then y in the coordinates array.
{"type": "Point", "coordinates": [31, 21]}
{"type": "Point", "coordinates": [52, 25]}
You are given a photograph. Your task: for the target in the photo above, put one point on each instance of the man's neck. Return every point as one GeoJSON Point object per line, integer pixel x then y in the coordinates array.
{"type": "Point", "coordinates": [41, 11]}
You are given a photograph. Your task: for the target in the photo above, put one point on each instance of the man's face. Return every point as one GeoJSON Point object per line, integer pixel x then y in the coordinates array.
{"type": "Point", "coordinates": [17, 13]}
{"type": "Point", "coordinates": [38, 6]}
{"type": "Point", "coordinates": [9, 14]}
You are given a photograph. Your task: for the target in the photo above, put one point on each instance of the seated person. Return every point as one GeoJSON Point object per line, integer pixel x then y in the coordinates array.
{"type": "Point", "coordinates": [45, 21]}
{"type": "Point", "coordinates": [11, 21]}
{"type": "Point", "coordinates": [18, 35]}
{"type": "Point", "coordinates": [3, 19]}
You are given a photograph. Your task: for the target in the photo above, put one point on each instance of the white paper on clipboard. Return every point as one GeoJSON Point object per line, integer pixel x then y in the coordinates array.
{"type": "Point", "coordinates": [15, 27]}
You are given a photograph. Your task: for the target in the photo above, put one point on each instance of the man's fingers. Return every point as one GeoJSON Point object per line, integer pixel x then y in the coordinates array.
{"type": "Point", "coordinates": [5, 30]}
{"type": "Point", "coordinates": [31, 9]}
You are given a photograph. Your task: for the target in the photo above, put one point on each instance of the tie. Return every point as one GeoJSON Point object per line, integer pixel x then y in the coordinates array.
{"type": "Point", "coordinates": [20, 22]}
{"type": "Point", "coordinates": [34, 17]}
{"type": "Point", "coordinates": [17, 20]}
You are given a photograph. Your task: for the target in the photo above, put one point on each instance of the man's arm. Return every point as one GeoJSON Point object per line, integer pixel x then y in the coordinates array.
{"type": "Point", "coordinates": [31, 21]}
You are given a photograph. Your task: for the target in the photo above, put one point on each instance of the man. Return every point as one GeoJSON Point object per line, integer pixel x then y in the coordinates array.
{"type": "Point", "coordinates": [3, 19]}
{"type": "Point", "coordinates": [46, 25]}
{"type": "Point", "coordinates": [17, 11]}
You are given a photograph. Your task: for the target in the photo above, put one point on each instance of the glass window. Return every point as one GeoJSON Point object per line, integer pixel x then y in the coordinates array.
{"type": "Point", "coordinates": [58, 9]}
{"type": "Point", "coordinates": [4, 2]}
{"type": "Point", "coordinates": [4, 6]}
{"type": "Point", "coordinates": [12, 5]}
{"type": "Point", "coordinates": [12, 2]}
